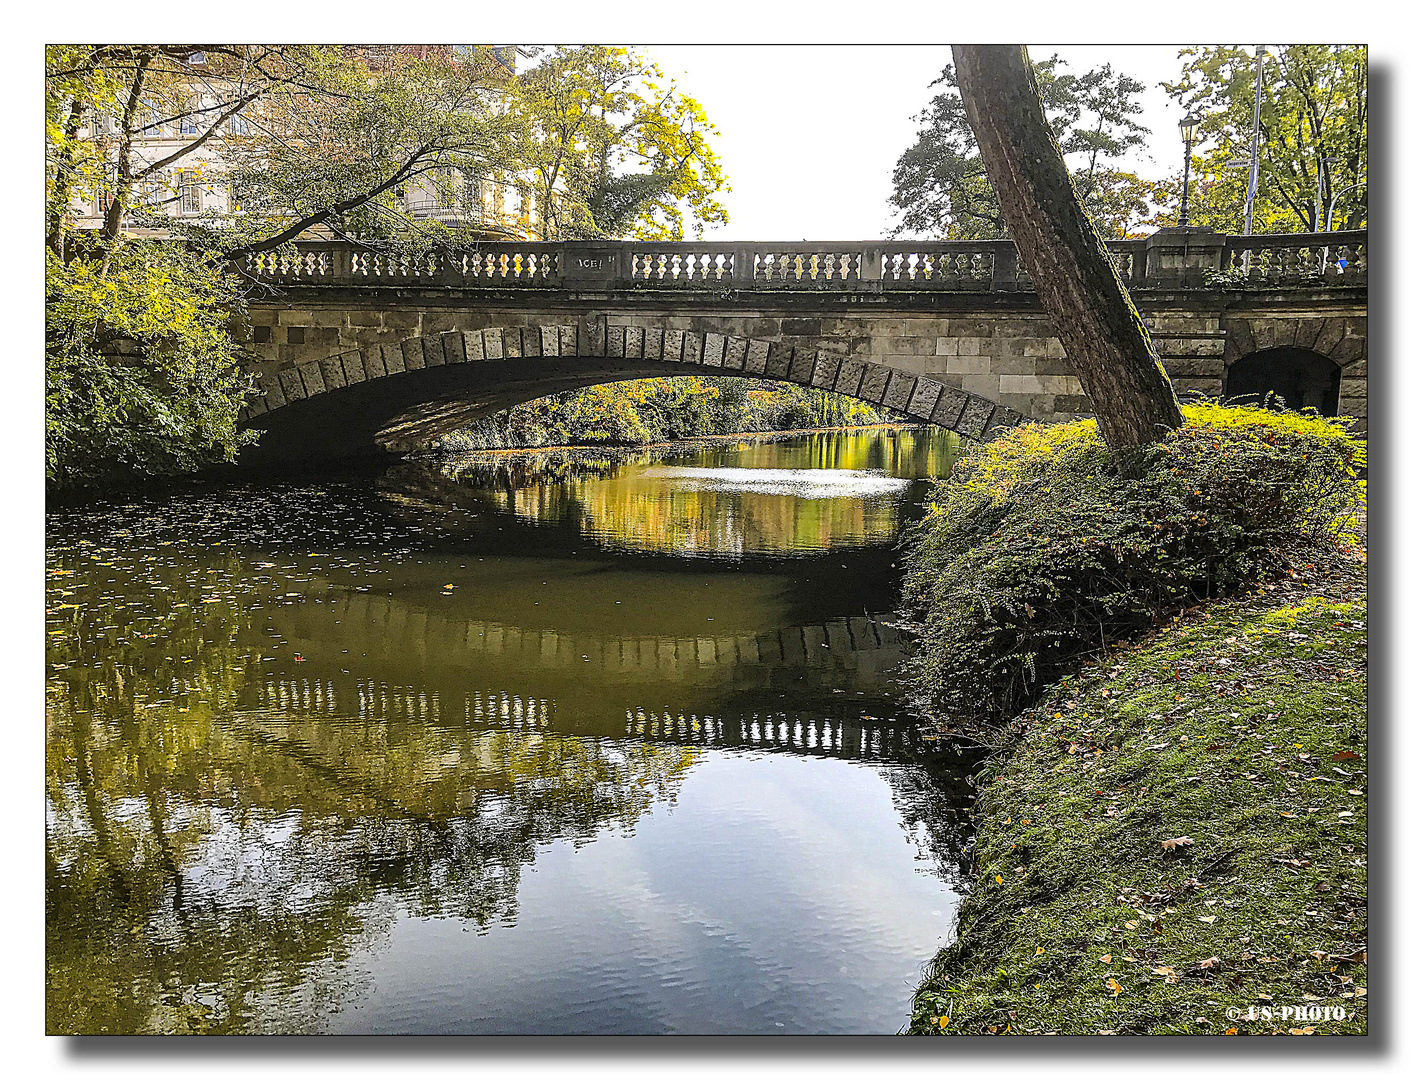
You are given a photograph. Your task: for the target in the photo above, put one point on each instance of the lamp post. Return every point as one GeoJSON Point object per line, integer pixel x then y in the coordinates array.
{"type": "Point", "coordinates": [1329, 224]}
{"type": "Point", "coordinates": [1188, 126]}
{"type": "Point", "coordinates": [1254, 168]}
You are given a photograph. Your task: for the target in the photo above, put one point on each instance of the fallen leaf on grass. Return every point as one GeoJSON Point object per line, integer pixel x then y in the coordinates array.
{"type": "Point", "coordinates": [1207, 918]}
{"type": "Point", "coordinates": [1107, 958]}
{"type": "Point", "coordinates": [1346, 755]}
{"type": "Point", "coordinates": [1176, 842]}
{"type": "Point", "coordinates": [1113, 984]}
{"type": "Point", "coordinates": [1210, 962]}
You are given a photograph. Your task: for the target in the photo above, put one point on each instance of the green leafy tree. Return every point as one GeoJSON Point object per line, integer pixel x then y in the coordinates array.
{"type": "Point", "coordinates": [142, 374]}
{"type": "Point", "coordinates": [78, 88]}
{"type": "Point", "coordinates": [313, 141]}
{"type": "Point", "coordinates": [133, 113]}
{"type": "Point", "coordinates": [1313, 143]}
{"type": "Point", "coordinates": [615, 150]}
{"type": "Point", "coordinates": [940, 184]}
{"type": "Point", "coordinates": [337, 150]}
{"type": "Point", "coordinates": [141, 369]}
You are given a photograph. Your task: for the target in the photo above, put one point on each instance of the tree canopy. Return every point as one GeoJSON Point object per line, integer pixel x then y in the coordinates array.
{"type": "Point", "coordinates": [143, 371]}
{"type": "Point", "coordinates": [1314, 135]}
{"type": "Point", "coordinates": [614, 149]}
{"type": "Point", "coordinates": [940, 183]}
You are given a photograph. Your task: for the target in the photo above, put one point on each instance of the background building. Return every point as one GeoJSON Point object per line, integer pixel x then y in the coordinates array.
{"type": "Point", "coordinates": [494, 206]}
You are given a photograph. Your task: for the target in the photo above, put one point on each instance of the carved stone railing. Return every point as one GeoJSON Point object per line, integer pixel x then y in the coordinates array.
{"type": "Point", "coordinates": [342, 264]}
{"type": "Point", "coordinates": [1171, 258]}
{"type": "Point", "coordinates": [1297, 259]}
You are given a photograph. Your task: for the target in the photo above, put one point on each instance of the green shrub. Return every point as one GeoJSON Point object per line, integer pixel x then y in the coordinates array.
{"type": "Point", "coordinates": [141, 370]}
{"type": "Point", "coordinates": [1037, 552]}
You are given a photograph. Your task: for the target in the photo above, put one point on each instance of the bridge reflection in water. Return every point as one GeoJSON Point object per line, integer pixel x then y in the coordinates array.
{"type": "Point", "coordinates": [860, 653]}
{"type": "Point", "coordinates": [269, 770]}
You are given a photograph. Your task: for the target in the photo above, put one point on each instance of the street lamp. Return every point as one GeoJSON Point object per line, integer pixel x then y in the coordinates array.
{"type": "Point", "coordinates": [1188, 126]}
{"type": "Point", "coordinates": [1253, 174]}
{"type": "Point", "coordinates": [1329, 224]}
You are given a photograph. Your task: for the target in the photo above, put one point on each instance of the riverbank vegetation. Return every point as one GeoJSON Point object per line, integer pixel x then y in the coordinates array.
{"type": "Point", "coordinates": [1174, 828]}
{"type": "Point", "coordinates": [1040, 552]}
{"type": "Point", "coordinates": [140, 365]}
{"type": "Point", "coordinates": [1175, 840]}
{"type": "Point", "coordinates": [642, 411]}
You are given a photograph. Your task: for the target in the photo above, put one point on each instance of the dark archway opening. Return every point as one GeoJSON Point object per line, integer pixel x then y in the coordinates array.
{"type": "Point", "coordinates": [1301, 378]}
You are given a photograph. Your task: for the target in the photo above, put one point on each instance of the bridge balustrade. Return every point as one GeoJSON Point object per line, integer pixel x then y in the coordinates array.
{"type": "Point", "coordinates": [1193, 258]}
{"type": "Point", "coordinates": [1298, 259]}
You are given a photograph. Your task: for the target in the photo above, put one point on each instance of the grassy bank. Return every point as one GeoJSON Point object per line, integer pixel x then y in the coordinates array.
{"type": "Point", "coordinates": [1178, 831]}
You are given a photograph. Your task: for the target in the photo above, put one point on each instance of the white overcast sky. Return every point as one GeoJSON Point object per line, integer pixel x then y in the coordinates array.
{"type": "Point", "coordinates": [810, 133]}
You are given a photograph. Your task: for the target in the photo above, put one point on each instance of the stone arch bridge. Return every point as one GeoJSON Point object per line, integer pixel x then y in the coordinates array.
{"type": "Point", "coordinates": [358, 352]}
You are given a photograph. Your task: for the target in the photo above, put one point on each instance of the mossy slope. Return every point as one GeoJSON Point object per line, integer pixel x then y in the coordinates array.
{"type": "Point", "coordinates": [1240, 727]}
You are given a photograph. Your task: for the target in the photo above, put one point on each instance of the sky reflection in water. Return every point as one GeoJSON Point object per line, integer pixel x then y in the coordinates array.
{"type": "Point", "coordinates": [404, 755]}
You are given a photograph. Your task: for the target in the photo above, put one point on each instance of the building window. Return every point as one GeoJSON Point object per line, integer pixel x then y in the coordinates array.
{"type": "Point", "coordinates": [239, 124]}
{"type": "Point", "coordinates": [152, 192]}
{"type": "Point", "coordinates": [190, 194]}
{"type": "Point", "coordinates": [196, 58]}
{"type": "Point", "coordinates": [148, 124]}
{"type": "Point", "coordinates": [103, 196]}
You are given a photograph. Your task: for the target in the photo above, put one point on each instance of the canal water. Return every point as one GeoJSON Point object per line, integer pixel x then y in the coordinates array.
{"type": "Point", "coordinates": [602, 742]}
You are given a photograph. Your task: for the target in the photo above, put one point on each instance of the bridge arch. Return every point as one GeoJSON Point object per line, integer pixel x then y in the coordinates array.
{"type": "Point", "coordinates": [395, 396]}
{"type": "Point", "coordinates": [1301, 378]}
{"type": "Point", "coordinates": [1310, 362]}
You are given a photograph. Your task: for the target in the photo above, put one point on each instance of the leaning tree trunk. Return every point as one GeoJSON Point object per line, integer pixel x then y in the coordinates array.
{"type": "Point", "coordinates": [1105, 340]}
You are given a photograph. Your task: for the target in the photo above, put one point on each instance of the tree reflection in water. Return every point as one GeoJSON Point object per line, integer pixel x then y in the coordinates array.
{"type": "Point", "coordinates": [256, 761]}
{"type": "Point", "coordinates": [203, 858]}
{"type": "Point", "coordinates": [825, 490]}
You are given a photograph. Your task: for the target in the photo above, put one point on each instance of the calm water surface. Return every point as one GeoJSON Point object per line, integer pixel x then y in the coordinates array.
{"type": "Point", "coordinates": [580, 742]}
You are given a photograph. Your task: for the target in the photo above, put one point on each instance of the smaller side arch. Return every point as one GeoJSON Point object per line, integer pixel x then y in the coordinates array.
{"type": "Point", "coordinates": [1302, 378]}
{"type": "Point", "coordinates": [1285, 345]}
